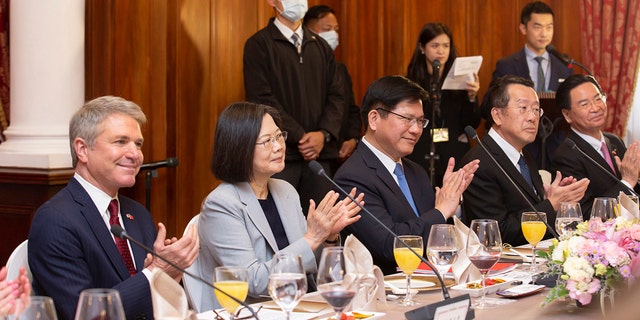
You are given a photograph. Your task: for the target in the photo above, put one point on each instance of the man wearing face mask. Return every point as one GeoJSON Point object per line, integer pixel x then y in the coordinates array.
{"type": "Point", "coordinates": [322, 20]}
{"type": "Point", "coordinates": [292, 69]}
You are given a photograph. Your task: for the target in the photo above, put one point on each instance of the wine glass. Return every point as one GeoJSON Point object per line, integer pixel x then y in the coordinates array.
{"type": "Point", "coordinates": [533, 228]}
{"type": "Point", "coordinates": [603, 208]}
{"type": "Point", "coordinates": [39, 307]}
{"type": "Point", "coordinates": [335, 282]}
{"type": "Point", "coordinates": [568, 217]}
{"type": "Point", "coordinates": [233, 281]}
{"type": "Point", "coordinates": [287, 281]}
{"type": "Point", "coordinates": [484, 247]}
{"type": "Point", "coordinates": [442, 247]}
{"type": "Point", "coordinates": [408, 261]}
{"type": "Point", "coordinates": [99, 304]}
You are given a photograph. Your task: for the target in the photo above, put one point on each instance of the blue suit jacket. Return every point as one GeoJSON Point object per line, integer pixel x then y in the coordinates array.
{"type": "Point", "coordinates": [384, 199]}
{"type": "Point", "coordinates": [71, 249]}
{"type": "Point", "coordinates": [516, 64]}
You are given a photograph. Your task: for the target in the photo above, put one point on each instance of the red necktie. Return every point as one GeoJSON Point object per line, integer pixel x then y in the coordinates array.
{"type": "Point", "coordinates": [607, 156]}
{"type": "Point", "coordinates": [122, 245]}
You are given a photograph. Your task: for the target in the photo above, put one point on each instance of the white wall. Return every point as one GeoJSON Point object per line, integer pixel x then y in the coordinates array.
{"type": "Point", "coordinates": [633, 126]}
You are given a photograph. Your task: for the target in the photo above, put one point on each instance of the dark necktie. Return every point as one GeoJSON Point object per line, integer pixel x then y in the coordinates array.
{"type": "Point", "coordinates": [524, 170]}
{"type": "Point", "coordinates": [122, 245]}
{"type": "Point", "coordinates": [296, 42]}
{"type": "Point", "coordinates": [541, 80]}
{"type": "Point", "coordinates": [402, 182]}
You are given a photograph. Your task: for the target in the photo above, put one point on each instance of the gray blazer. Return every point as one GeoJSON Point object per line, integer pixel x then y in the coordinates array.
{"type": "Point", "coordinates": [235, 232]}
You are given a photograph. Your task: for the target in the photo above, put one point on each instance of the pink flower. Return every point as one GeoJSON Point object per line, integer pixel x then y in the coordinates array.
{"type": "Point", "coordinates": [635, 232]}
{"type": "Point", "coordinates": [582, 291]}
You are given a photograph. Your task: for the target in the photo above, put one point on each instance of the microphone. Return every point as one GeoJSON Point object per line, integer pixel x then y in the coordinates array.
{"type": "Point", "coordinates": [119, 232]}
{"type": "Point", "coordinates": [573, 146]}
{"type": "Point", "coordinates": [435, 80]}
{"type": "Point", "coordinates": [471, 132]}
{"type": "Point", "coordinates": [169, 163]}
{"type": "Point", "coordinates": [565, 59]}
{"type": "Point", "coordinates": [317, 169]}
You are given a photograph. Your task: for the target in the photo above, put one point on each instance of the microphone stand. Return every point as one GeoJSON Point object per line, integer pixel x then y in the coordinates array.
{"type": "Point", "coordinates": [119, 232]}
{"type": "Point", "coordinates": [147, 187]}
{"type": "Point", "coordinates": [435, 98]}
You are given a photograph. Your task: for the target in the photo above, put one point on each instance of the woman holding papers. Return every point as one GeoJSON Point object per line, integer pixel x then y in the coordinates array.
{"type": "Point", "coordinates": [456, 108]}
{"type": "Point", "coordinates": [251, 216]}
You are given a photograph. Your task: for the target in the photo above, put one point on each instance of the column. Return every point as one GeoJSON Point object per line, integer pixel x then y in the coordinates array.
{"type": "Point", "coordinates": [47, 81]}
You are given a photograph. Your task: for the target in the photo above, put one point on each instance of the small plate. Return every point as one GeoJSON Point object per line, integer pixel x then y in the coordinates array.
{"type": "Point", "coordinates": [478, 292]}
{"type": "Point", "coordinates": [418, 282]}
{"type": "Point", "coordinates": [520, 291]}
{"type": "Point", "coordinates": [368, 315]}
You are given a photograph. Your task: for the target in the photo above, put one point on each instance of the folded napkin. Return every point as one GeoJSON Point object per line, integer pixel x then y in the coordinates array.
{"type": "Point", "coordinates": [463, 270]}
{"type": "Point", "coordinates": [370, 295]}
{"type": "Point", "coordinates": [628, 208]}
{"type": "Point", "coordinates": [168, 297]}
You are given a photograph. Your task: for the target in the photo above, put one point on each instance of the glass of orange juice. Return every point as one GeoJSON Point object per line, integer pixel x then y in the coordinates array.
{"type": "Point", "coordinates": [533, 227]}
{"type": "Point", "coordinates": [408, 261]}
{"type": "Point", "coordinates": [233, 281]}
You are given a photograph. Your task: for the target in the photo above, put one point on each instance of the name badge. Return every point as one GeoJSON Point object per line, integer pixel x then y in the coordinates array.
{"type": "Point", "coordinates": [440, 134]}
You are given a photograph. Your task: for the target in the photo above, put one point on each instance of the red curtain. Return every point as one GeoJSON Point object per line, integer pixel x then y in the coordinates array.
{"type": "Point", "coordinates": [4, 66]}
{"type": "Point", "coordinates": [610, 34]}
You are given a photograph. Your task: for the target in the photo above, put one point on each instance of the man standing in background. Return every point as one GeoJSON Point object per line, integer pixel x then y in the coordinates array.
{"type": "Point", "coordinates": [290, 68]}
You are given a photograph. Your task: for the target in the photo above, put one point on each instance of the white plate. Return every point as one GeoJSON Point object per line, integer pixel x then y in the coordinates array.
{"type": "Point", "coordinates": [478, 292]}
{"type": "Point", "coordinates": [415, 283]}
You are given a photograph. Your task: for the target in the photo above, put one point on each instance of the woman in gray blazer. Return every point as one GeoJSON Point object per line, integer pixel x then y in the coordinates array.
{"type": "Point", "coordinates": [251, 216]}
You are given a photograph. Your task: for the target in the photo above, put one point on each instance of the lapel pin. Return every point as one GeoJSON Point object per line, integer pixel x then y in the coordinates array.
{"type": "Point", "coordinates": [130, 217]}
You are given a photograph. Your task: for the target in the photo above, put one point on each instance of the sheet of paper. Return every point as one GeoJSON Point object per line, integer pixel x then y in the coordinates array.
{"type": "Point", "coordinates": [462, 71]}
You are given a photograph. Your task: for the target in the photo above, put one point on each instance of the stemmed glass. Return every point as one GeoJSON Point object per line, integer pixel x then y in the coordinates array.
{"type": "Point", "coordinates": [442, 247]}
{"type": "Point", "coordinates": [99, 304]}
{"type": "Point", "coordinates": [533, 228]}
{"type": "Point", "coordinates": [408, 261]}
{"type": "Point", "coordinates": [335, 281]}
{"type": "Point", "coordinates": [39, 307]}
{"type": "Point", "coordinates": [603, 208]}
{"type": "Point", "coordinates": [568, 217]}
{"type": "Point", "coordinates": [287, 281]}
{"type": "Point", "coordinates": [484, 247]}
{"type": "Point", "coordinates": [234, 281]}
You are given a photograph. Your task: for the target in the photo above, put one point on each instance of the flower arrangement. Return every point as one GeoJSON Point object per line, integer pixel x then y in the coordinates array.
{"type": "Point", "coordinates": [598, 257]}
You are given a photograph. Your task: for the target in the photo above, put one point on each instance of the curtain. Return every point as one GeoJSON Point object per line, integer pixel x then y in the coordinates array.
{"type": "Point", "coordinates": [633, 125]}
{"type": "Point", "coordinates": [610, 35]}
{"type": "Point", "coordinates": [4, 66]}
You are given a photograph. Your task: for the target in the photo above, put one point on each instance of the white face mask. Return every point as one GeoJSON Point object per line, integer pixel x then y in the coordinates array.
{"type": "Point", "coordinates": [293, 10]}
{"type": "Point", "coordinates": [331, 37]}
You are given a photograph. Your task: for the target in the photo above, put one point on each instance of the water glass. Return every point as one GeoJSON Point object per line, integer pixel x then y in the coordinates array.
{"type": "Point", "coordinates": [604, 208]}
{"type": "Point", "coordinates": [99, 304]}
{"type": "Point", "coordinates": [39, 307]}
{"type": "Point", "coordinates": [287, 281]}
{"type": "Point", "coordinates": [568, 217]}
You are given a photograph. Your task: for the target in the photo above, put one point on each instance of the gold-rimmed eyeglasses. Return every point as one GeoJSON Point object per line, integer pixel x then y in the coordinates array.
{"type": "Point", "coordinates": [278, 137]}
{"type": "Point", "coordinates": [597, 101]}
{"type": "Point", "coordinates": [409, 122]}
{"type": "Point", "coordinates": [241, 314]}
{"type": "Point", "coordinates": [533, 110]}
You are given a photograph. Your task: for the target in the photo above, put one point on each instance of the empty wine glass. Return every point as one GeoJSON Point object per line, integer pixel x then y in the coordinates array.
{"type": "Point", "coordinates": [335, 281]}
{"type": "Point", "coordinates": [568, 217]}
{"type": "Point", "coordinates": [287, 281]}
{"type": "Point", "coordinates": [603, 208]}
{"type": "Point", "coordinates": [408, 261]}
{"type": "Point", "coordinates": [533, 227]}
{"type": "Point", "coordinates": [484, 247]}
{"type": "Point", "coordinates": [39, 307]}
{"type": "Point", "coordinates": [442, 247]}
{"type": "Point", "coordinates": [99, 304]}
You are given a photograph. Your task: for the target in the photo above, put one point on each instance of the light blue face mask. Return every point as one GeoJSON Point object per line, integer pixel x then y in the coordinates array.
{"type": "Point", "coordinates": [331, 37]}
{"type": "Point", "coordinates": [293, 10]}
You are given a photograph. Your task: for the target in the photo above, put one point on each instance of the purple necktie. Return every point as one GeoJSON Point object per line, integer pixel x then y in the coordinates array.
{"type": "Point", "coordinates": [607, 156]}
{"type": "Point", "coordinates": [122, 245]}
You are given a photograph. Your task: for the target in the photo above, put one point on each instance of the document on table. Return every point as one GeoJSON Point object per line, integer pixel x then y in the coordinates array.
{"type": "Point", "coordinates": [462, 71]}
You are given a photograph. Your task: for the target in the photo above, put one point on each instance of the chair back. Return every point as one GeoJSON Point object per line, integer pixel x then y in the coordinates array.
{"type": "Point", "coordinates": [17, 259]}
{"type": "Point", "coordinates": [192, 287]}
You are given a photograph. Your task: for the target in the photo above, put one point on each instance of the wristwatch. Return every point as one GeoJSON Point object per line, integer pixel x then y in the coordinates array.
{"type": "Point", "coordinates": [327, 135]}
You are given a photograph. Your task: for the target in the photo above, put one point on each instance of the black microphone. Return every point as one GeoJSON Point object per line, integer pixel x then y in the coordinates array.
{"type": "Point", "coordinates": [117, 231]}
{"type": "Point", "coordinates": [169, 162]}
{"type": "Point", "coordinates": [565, 59]}
{"type": "Point", "coordinates": [435, 79]}
{"type": "Point", "coordinates": [573, 145]}
{"type": "Point", "coordinates": [471, 132]}
{"type": "Point", "coordinates": [317, 169]}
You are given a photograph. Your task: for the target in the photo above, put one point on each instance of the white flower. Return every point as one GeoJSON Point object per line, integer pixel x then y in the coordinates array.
{"type": "Point", "coordinates": [578, 269]}
{"type": "Point", "coordinates": [559, 251]}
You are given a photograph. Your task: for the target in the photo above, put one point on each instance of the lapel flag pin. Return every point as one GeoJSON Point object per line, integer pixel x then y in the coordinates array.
{"type": "Point", "coordinates": [130, 217]}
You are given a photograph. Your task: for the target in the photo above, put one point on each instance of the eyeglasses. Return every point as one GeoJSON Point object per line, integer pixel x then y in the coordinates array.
{"type": "Point", "coordinates": [535, 110]}
{"type": "Point", "coordinates": [598, 101]}
{"type": "Point", "coordinates": [237, 316]}
{"type": "Point", "coordinates": [409, 122]}
{"type": "Point", "coordinates": [278, 137]}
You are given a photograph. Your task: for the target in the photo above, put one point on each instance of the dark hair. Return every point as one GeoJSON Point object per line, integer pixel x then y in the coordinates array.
{"type": "Point", "coordinates": [563, 95]}
{"type": "Point", "coordinates": [497, 95]}
{"type": "Point", "coordinates": [316, 13]}
{"type": "Point", "coordinates": [417, 70]}
{"type": "Point", "coordinates": [538, 7]}
{"type": "Point", "coordinates": [387, 92]}
{"type": "Point", "coordinates": [235, 138]}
